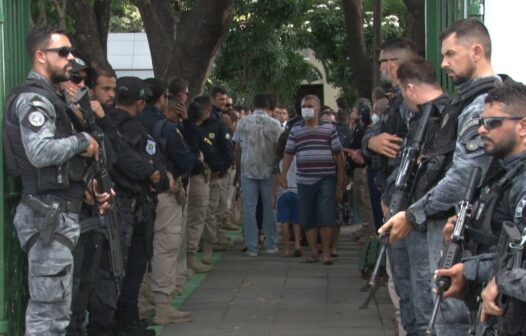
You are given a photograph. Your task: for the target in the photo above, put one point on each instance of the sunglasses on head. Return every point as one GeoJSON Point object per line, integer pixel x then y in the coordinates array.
{"type": "Point", "coordinates": [494, 122]}
{"type": "Point", "coordinates": [77, 78]}
{"type": "Point", "coordinates": [62, 51]}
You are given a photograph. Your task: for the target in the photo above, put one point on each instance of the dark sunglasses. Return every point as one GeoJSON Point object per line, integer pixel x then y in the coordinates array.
{"type": "Point", "coordinates": [494, 122]}
{"type": "Point", "coordinates": [62, 51]}
{"type": "Point", "coordinates": [77, 78]}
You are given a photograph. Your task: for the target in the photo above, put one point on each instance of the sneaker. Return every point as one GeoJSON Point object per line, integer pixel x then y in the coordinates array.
{"type": "Point", "coordinates": [272, 250]}
{"type": "Point", "coordinates": [251, 253]}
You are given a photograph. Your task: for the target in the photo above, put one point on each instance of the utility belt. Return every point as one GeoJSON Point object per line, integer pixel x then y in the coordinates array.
{"type": "Point", "coordinates": [126, 200]}
{"type": "Point", "coordinates": [47, 209]}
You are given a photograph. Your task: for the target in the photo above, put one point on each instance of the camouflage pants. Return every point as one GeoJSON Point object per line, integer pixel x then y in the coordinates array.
{"type": "Point", "coordinates": [50, 269]}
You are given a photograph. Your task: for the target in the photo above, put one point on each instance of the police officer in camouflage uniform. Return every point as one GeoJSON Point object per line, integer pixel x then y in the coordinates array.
{"type": "Point", "coordinates": [41, 147]}
{"type": "Point", "coordinates": [466, 51]}
{"type": "Point", "coordinates": [502, 199]}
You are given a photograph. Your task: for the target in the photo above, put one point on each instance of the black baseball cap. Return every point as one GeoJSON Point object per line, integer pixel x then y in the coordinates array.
{"type": "Point", "coordinates": [130, 89]}
{"type": "Point", "coordinates": [78, 65]}
{"type": "Point", "coordinates": [155, 88]}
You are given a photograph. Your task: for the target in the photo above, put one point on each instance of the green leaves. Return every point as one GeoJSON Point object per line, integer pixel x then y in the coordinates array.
{"type": "Point", "coordinates": [261, 51]}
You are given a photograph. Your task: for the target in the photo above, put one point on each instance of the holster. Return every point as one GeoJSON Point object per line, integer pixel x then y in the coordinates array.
{"type": "Point", "coordinates": [47, 218]}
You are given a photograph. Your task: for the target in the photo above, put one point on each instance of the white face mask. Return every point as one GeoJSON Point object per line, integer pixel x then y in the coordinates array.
{"type": "Point", "coordinates": [375, 118]}
{"type": "Point", "coordinates": [307, 113]}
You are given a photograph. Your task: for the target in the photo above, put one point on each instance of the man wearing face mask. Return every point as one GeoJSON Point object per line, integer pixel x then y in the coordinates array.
{"type": "Point", "coordinates": [319, 175]}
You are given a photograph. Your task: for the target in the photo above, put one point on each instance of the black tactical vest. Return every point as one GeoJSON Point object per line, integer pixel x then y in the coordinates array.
{"type": "Point", "coordinates": [491, 210]}
{"type": "Point", "coordinates": [36, 180]}
{"type": "Point", "coordinates": [439, 154]}
{"type": "Point", "coordinates": [513, 322]}
{"type": "Point", "coordinates": [393, 123]}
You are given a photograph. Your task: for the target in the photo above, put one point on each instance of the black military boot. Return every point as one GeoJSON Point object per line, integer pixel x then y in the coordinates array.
{"type": "Point", "coordinates": [128, 323]}
{"type": "Point", "coordinates": [136, 328]}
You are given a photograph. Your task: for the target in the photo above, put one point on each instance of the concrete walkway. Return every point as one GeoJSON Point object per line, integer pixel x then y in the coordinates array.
{"type": "Point", "coordinates": [276, 296]}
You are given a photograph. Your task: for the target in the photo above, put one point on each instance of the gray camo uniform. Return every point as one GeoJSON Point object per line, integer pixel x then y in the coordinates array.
{"type": "Point", "coordinates": [453, 318]}
{"type": "Point", "coordinates": [511, 281]}
{"type": "Point", "coordinates": [50, 267]}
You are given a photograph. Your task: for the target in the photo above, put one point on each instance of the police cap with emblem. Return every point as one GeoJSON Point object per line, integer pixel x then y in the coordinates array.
{"type": "Point", "coordinates": [130, 89]}
{"type": "Point", "coordinates": [78, 65]}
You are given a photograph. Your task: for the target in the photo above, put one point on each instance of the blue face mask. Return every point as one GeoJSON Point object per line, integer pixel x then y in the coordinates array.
{"type": "Point", "coordinates": [307, 113]}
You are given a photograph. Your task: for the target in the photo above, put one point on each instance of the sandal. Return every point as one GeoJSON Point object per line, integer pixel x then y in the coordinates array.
{"type": "Point", "coordinates": [327, 261]}
{"type": "Point", "coordinates": [310, 260]}
{"type": "Point", "coordinates": [334, 255]}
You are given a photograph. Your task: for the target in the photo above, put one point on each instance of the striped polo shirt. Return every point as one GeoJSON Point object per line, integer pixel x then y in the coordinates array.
{"type": "Point", "coordinates": [314, 149]}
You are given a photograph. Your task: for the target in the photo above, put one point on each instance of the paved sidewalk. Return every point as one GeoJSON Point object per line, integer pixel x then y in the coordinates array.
{"type": "Point", "coordinates": [276, 296]}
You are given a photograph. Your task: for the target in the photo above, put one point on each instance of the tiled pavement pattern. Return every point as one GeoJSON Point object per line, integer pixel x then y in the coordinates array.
{"type": "Point", "coordinates": [276, 296]}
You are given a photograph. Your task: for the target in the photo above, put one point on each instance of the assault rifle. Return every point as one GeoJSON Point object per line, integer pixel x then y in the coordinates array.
{"type": "Point", "coordinates": [453, 252]}
{"type": "Point", "coordinates": [515, 250]}
{"type": "Point", "coordinates": [404, 184]}
{"type": "Point", "coordinates": [106, 222]}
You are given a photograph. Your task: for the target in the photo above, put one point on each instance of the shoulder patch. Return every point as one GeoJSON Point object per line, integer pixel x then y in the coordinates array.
{"type": "Point", "coordinates": [468, 126]}
{"type": "Point", "coordinates": [468, 135]}
{"type": "Point", "coordinates": [211, 135]}
{"type": "Point", "coordinates": [34, 120]}
{"type": "Point", "coordinates": [151, 147]}
{"type": "Point", "coordinates": [227, 136]}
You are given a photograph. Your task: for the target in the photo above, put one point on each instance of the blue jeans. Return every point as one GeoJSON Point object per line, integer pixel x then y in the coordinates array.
{"type": "Point", "coordinates": [453, 318]}
{"type": "Point", "coordinates": [411, 275]}
{"type": "Point", "coordinates": [401, 275]}
{"type": "Point", "coordinates": [250, 189]}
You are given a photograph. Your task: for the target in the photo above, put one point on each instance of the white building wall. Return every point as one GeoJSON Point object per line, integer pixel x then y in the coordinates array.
{"type": "Point", "coordinates": [129, 54]}
{"type": "Point", "coordinates": [504, 19]}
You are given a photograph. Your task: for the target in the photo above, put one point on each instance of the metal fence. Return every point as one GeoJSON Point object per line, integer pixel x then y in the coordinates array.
{"type": "Point", "coordinates": [14, 64]}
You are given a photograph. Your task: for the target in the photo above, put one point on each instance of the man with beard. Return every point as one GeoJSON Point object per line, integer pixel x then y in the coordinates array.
{"type": "Point", "coordinates": [382, 143]}
{"type": "Point", "coordinates": [103, 86]}
{"type": "Point", "coordinates": [466, 51]}
{"type": "Point", "coordinates": [41, 147]}
{"type": "Point", "coordinates": [502, 198]}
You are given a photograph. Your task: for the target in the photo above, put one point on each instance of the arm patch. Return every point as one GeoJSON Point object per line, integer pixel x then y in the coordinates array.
{"type": "Point", "coordinates": [34, 120]}
{"type": "Point", "coordinates": [469, 137]}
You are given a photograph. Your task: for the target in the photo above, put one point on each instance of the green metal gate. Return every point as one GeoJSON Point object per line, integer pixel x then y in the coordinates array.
{"type": "Point", "coordinates": [14, 65]}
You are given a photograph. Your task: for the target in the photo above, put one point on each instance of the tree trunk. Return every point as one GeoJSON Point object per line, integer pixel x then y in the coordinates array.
{"type": "Point", "coordinates": [377, 40]}
{"type": "Point", "coordinates": [361, 66]}
{"type": "Point", "coordinates": [160, 20]}
{"type": "Point", "coordinates": [91, 24]}
{"type": "Point", "coordinates": [185, 44]}
{"type": "Point", "coordinates": [416, 23]}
